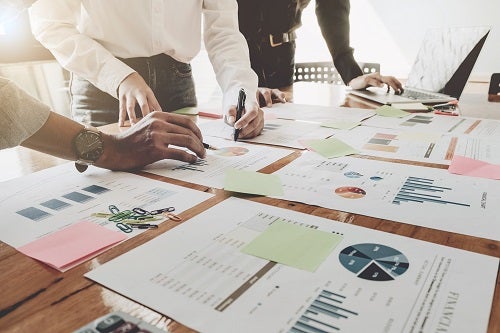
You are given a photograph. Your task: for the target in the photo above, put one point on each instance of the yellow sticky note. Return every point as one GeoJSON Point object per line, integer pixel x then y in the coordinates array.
{"type": "Point", "coordinates": [293, 245]}
{"type": "Point", "coordinates": [345, 125]}
{"type": "Point", "coordinates": [252, 182]}
{"type": "Point", "coordinates": [188, 111]}
{"type": "Point", "coordinates": [389, 111]}
{"type": "Point", "coordinates": [330, 147]}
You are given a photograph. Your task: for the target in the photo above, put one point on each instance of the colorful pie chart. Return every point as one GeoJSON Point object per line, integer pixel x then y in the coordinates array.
{"type": "Point", "coordinates": [350, 192]}
{"type": "Point", "coordinates": [231, 151]}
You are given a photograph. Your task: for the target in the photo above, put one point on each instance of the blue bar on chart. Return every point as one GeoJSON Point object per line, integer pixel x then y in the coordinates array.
{"type": "Point", "coordinates": [323, 315]}
{"type": "Point", "coordinates": [422, 190]}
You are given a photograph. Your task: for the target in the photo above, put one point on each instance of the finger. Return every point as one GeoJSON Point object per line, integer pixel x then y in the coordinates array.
{"type": "Point", "coordinates": [144, 105]}
{"type": "Point", "coordinates": [131, 110]}
{"type": "Point", "coordinates": [267, 95]}
{"type": "Point", "coordinates": [154, 105]}
{"type": "Point", "coordinates": [255, 127]}
{"type": "Point", "coordinates": [393, 83]}
{"type": "Point", "coordinates": [122, 113]}
{"type": "Point", "coordinates": [279, 95]}
{"type": "Point", "coordinates": [246, 118]}
{"type": "Point", "coordinates": [184, 122]}
{"type": "Point", "coordinates": [187, 141]}
{"type": "Point", "coordinates": [375, 82]}
{"type": "Point", "coordinates": [180, 155]}
{"type": "Point", "coordinates": [230, 116]}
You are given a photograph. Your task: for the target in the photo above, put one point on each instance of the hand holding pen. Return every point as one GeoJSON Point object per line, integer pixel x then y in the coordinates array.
{"type": "Point", "coordinates": [240, 106]}
{"type": "Point", "coordinates": [246, 117]}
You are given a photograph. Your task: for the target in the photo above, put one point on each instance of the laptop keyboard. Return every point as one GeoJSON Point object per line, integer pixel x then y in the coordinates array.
{"type": "Point", "coordinates": [412, 94]}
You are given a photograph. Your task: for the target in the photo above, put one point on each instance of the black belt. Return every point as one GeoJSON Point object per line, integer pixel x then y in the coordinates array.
{"type": "Point", "coordinates": [278, 39]}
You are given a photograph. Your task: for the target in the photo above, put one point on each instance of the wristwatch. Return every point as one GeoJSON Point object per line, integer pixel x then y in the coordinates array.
{"type": "Point", "coordinates": [88, 145]}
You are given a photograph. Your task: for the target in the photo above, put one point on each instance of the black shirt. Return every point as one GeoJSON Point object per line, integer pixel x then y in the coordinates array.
{"type": "Point", "coordinates": [260, 18]}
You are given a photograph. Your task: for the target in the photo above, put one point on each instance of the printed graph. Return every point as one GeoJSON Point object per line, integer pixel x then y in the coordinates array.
{"type": "Point", "coordinates": [325, 314]}
{"type": "Point", "coordinates": [56, 204]}
{"type": "Point", "coordinates": [196, 166]}
{"type": "Point", "coordinates": [420, 190]}
{"type": "Point", "coordinates": [374, 262]}
{"type": "Point", "coordinates": [416, 120]}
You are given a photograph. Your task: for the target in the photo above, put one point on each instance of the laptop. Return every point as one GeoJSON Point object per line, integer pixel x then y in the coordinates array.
{"type": "Point", "coordinates": [441, 69]}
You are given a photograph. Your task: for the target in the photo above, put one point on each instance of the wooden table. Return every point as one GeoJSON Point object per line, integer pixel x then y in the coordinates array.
{"type": "Point", "coordinates": [37, 298]}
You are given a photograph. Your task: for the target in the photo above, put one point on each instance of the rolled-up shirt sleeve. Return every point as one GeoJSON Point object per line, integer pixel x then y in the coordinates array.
{"type": "Point", "coordinates": [228, 50]}
{"type": "Point", "coordinates": [54, 25]}
{"type": "Point", "coordinates": [333, 19]}
{"type": "Point", "coordinates": [21, 115]}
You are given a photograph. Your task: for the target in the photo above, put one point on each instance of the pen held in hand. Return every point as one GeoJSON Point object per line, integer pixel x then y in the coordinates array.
{"type": "Point", "coordinates": [240, 106]}
{"type": "Point", "coordinates": [207, 146]}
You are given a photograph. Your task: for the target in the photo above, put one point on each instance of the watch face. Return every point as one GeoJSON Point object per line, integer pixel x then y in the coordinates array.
{"type": "Point", "coordinates": [89, 146]}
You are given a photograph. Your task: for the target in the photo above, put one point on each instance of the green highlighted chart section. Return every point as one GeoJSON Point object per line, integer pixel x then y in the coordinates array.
{"type": "Point", "coordinates": [374, 261]}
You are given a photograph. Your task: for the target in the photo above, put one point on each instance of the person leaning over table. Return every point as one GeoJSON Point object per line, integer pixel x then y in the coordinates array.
{"type": "Point", "coordinates": [128, 53]}
{"type": "Point", "coordinates": [269, 28]}
{"type": "Point", "coordinates": [26, 121]}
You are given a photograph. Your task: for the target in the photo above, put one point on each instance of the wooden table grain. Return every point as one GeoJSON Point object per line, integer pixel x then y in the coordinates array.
{"type": "Point", "coordinates": [37, 298]}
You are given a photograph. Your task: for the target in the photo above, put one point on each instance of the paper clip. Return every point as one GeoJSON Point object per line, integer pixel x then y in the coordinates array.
{"type": "Point", "coordinates": [124, 227]}
{"type": "Point", "coordinates": [140, 211]}
{"type": "Point", "coordinates": [143, 226]}
{"type": "Point", "coordinates": [163, 210]}
{"type": "Point", "coordinates": [113, 209]}
{"type": "Point", "coordinates": [120, 216]}
{"type": "Point", "coordinates": [172, 216]}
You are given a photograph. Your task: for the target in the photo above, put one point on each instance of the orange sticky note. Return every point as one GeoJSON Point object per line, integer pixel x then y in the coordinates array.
{"type": "Point", "coordinates": [72, 245]}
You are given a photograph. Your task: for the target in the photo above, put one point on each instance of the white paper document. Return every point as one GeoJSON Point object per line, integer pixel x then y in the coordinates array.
{"type": "Point", "coordinates": [278, 132]}
{"type": "Point", "coordinates": [431, 147]}
{"type": "Point", "coordinates": [371, 282]}
{"type": "Point", "coordinates": [438, 123]}
{"type": "Point", "coordinates": [50, 200]}
{"type": "Point", "coordinates": [428, 197]}
{"type": "Point", "coordinates": [316, 113]}
{"type": "Point", "coordinates": [210, 170]}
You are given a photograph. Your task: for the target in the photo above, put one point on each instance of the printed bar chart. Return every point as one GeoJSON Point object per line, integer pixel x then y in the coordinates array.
{"type": "Point", "coordinates": [323, 314]}
{"type": "Point", "coordinates": [422, 190]}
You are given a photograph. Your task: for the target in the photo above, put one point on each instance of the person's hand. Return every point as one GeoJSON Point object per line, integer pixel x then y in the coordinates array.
{"type": "Point", "coordinates": [268, 96]}
{"type": "Point", "coordinates": [150, 140]}
{"type": "Point", "coordinates": [250, 124]}
{"type": "Point", "coordinates": [132, 91]}
{"type": "Point", "coordinates": [376, 80]}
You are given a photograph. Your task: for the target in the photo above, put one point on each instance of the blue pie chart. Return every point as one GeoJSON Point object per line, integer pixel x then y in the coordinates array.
{"type": "Point", "coordinates": [374, 262]}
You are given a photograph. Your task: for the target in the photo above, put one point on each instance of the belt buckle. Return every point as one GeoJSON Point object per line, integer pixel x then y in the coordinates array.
{"type": "Point", "coordinates": [274, 44]}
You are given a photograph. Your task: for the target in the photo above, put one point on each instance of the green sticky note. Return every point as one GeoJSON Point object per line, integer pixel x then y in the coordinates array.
{"type": "Point", "coordinates": [188, 111]}
{"type": "Point", "coordinates": [390, 111]}
{"type": "Point", "coordinates": [345, 125]}
{"type": "Point", "coordinates": [330, 147]}
{"type": "Point", "coordinates": [252, 182]}
{"type": "Point", "coordinates": [293, 245]}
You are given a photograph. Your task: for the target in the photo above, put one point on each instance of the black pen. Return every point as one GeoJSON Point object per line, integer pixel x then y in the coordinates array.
{"type": "Point", "coordinates": [239, 110]}
{"type": "Point", "coordinates": [207, 146]}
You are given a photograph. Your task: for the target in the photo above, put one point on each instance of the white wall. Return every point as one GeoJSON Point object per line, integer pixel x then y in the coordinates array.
{"type": "Point", "coordinates": [390, 32]}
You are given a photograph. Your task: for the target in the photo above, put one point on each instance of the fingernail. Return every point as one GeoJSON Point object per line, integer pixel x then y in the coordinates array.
{"type": "Point", "coordinates": [230, 119]}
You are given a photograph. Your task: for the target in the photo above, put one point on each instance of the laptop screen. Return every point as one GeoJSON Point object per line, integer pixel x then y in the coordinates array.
{"type": "Point", "coordinates": [445, 52]}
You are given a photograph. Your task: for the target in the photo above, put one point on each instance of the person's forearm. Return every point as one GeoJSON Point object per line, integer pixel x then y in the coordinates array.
{"type": "Point", "coordinates": [55, 137]}
{"type": "Point", "coordinates": [333, 19]}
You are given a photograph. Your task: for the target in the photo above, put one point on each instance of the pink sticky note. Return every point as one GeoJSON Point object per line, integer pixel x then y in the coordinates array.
{"type": "Point", "coordinates": [470, 167]}
{"type": "Point", "coordinates": [72, 245]}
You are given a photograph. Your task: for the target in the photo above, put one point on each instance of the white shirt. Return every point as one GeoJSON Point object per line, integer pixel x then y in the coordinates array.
{"type": "Point", "coordinates": [86, 36]}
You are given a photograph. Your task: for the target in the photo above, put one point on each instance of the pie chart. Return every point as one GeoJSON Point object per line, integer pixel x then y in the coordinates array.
{"type": "Point", "coordinates": [374, 262]}
{"type": "Point", "coordinates": [231, 151]}
{"type": "Point", "coordinates": [350, 192]}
